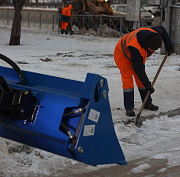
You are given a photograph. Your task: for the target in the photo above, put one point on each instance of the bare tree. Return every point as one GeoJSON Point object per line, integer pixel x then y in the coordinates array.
{"type": "Point", "coordinates": [16, 26]}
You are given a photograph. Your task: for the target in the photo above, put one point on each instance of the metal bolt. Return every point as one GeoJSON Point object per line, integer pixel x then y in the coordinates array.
{"type": "Point", "coordinates": [104, 94]}
{"type": "Point", "coordinates": [80, 150]}
{"type": "Point", "coordinates": [101, 83]}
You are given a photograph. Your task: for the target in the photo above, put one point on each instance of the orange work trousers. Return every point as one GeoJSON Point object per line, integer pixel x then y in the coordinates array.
{"type": "Point", "coordinates": [64, 25]}
{"type": "Point", "coordinates": [127, 71]}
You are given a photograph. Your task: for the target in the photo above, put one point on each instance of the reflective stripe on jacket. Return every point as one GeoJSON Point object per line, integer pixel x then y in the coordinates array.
{"type": "Point", "coordinates": [131, 40]}
{"type": "Point", "coordinates": [122, 54]}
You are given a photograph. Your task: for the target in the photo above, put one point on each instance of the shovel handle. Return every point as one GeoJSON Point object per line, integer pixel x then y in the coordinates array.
{"type": "Point", "coordinates": [159, 70]}
{"type": "Point", "coordinates": [138, 123]}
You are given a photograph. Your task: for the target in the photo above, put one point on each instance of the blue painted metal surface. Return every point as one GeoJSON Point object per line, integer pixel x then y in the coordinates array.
{"type": "Point", "coordinates": [94, 140]}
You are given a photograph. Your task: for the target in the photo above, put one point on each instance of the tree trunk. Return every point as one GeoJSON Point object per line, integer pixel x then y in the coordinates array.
{"type": "Point", "coordinates": [16, 29]}
{"type": "Point", "coordinates": [16, 26]}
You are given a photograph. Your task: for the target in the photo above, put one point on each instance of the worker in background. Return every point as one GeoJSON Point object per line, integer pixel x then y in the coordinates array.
{"type": "Point", "coordinates": [65, 19]}
{"type": "Point", "coordinates": [130, 56]}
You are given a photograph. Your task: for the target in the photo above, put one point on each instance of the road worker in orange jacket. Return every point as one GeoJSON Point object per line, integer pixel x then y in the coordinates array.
{"type": "Point", "coordinates": [130, 56]}
{"type": "Point", "coordinates": [65, 19]}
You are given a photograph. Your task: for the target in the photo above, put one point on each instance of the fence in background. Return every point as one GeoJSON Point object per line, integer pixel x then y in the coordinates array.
{"type": "Point", "coordinates": [96, 22]}
{"type": "Point", "coordinates": [49, 19]}
{"type": "Point", "coordinates": [41, 19]}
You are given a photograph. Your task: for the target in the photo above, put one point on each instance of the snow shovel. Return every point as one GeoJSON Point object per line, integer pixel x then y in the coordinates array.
{"type": "Point", "coordinates": [138, 121]}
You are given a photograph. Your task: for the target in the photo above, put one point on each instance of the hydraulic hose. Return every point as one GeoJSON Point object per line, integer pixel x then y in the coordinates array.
{"type": "Point", "coordinates": [15, 67]}
{"type": "Point", "coordinates": [67, 130]}
{"type": "Point", "coordinates": [73, 112]}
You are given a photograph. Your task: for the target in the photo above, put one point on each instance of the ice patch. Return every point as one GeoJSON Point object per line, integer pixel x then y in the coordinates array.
{"type": "Point", "coordinates": [162, 170]}
{"type": "Point", "coordinates": [141, 168]}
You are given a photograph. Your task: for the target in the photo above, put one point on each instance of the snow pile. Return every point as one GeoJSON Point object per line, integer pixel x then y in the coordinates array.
{"type": "Point", "coordinates": [104, 31]}
{"type": "Point", "coordinates": [86, 32]}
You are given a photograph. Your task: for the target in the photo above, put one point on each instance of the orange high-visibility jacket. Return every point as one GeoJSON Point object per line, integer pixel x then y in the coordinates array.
{"type": "Point", "coordinates": [65, 17]}
{"type": "Point", "coordinates": [67, 10]}
{"type": "Point", "coordinates": [122, 54]}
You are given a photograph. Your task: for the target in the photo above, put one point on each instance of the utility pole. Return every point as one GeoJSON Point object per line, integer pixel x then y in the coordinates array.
{"type": "Point", "coordinates": [171, 22]}
{"type": "Point", "coordinates": [133, 10]}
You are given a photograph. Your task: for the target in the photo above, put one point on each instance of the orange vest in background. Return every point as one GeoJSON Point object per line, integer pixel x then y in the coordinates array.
{"type": "Point", "coordinates": [65, 17]}
{"type": "Point", "coordinates": [66, 11]}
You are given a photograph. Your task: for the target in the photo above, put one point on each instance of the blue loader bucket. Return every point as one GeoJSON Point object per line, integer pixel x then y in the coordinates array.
{"type": "Point", "coordinates": [66, 117]}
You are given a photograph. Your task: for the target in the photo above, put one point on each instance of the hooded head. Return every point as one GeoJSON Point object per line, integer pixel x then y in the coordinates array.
{"type": "Point", "coordinates": [69, 6]}
{"type": "Point", "coordinates": [154, 41]}
{"type": "Point", "coordinates": [144, 35]}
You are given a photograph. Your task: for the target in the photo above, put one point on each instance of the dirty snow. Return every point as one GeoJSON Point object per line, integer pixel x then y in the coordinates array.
{"type": "Point", "coordinates": [72, 57]}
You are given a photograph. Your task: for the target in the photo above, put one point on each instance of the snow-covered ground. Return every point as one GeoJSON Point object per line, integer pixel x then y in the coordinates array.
{"type": "Point", "coordinates": [72, 57]}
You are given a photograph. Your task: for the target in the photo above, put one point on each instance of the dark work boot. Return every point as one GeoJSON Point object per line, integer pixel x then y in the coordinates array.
{"type": "Point", "coordinates": [130, 112]}
{"type": "Point", "coordinates": [151, 107]}
{"type": "Point", "coordinates": [71, 32]}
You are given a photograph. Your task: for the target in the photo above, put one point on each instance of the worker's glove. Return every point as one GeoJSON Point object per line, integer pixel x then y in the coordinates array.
{"type": "Point", "coordinates": [169, 49]}
{"type": "Point", "coordinates": [150, 88]}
